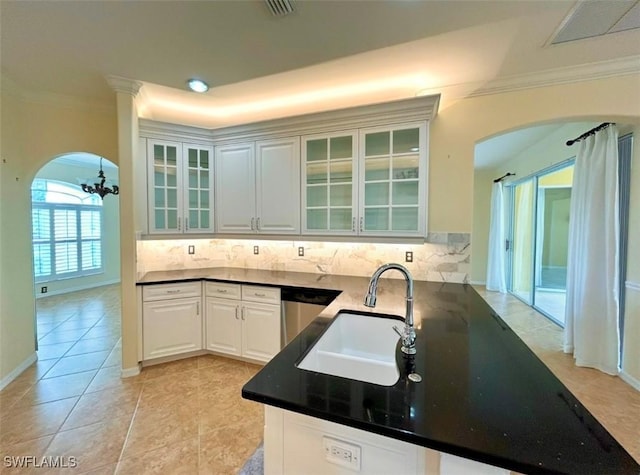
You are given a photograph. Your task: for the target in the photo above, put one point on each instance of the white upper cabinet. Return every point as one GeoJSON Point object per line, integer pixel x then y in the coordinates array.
{"type": "Point", "coordinates": [393, 169]}
{"type": "Point", "coordinates": [180, 187]}
{"type": "Point", "coordinates": [258, 187]}
{"type": "Point", "coordinates": [278, 186]}
{"type": "Point", "coordinates": [370, 182]}
{"type": "Point", "coordinates": [235, 189]}
{"type": "Point", "coordinates": [329, 177]}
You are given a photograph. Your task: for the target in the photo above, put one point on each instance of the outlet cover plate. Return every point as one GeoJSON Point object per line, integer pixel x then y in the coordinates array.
{"type": "Point", "coordinates": [342, 453]}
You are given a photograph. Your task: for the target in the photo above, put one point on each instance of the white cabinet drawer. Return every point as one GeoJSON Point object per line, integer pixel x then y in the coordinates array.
{"type": "Point", "coordinates": [171, 291]}
{"type": "Point", "coordinates": [252, 293]}
{"type": "Point", "coordinates": [226, 291]}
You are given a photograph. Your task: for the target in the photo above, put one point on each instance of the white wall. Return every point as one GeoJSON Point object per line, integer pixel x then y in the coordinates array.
{"type": "Point", "coordinates": [57, 170]}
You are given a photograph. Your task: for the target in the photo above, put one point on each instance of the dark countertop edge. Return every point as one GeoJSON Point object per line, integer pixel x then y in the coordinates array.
{"type": "Point", "coordinates": [404, 436]}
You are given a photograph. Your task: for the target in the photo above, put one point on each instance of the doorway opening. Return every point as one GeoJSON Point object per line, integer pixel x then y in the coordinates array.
{"type": "Point", "coordinates": [76, 266]}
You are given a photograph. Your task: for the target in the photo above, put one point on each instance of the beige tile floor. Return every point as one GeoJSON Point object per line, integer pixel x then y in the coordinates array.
{"type": "Point", "coordinates": [188, 416]}
{"type": "Point", "coordinates": [181, 417]}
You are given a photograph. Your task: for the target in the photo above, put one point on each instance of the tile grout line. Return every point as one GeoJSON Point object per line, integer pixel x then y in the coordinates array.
{"type": "Point", "coordinates": [126, 438]}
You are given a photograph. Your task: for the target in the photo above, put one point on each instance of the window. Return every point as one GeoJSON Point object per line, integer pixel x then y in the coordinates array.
{"type": "Point", "coordinates": [67, 231]}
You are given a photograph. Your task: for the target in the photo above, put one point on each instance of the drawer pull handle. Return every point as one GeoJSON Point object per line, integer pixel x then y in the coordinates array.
{"type": "Point", "coordinates": [177, 291]}
{"type": "Point", "coordinates": [222, 291]}
{"type": "Point", "coordinates": [259, 294]}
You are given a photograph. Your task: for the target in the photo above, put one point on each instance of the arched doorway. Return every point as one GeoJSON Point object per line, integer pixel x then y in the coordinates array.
{"type": "Point", "coordinates": [76, 266]}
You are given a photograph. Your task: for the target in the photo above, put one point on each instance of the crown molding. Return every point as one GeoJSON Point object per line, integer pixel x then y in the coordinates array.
{"type": "Point", "coordinates": [152, 129]}
{"type": "Point", "coordinates": [585, 72]}
{"type": "Point", "coordinates": [405, 110]}
{"type": "Point", "coordinates": [124, 85]}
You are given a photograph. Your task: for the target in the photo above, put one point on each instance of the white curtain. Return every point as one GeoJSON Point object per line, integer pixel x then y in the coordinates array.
{"type": "Point", "coordinates": [496, 274]}
{"type": "Point", "coordinates": [591, 330]}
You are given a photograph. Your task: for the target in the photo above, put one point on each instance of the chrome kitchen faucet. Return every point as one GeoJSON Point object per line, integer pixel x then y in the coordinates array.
{"type": "Point", "coordinates": [408, 334]}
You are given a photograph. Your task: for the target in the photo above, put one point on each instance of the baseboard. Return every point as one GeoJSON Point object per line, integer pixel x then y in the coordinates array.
{"type": "Point", "coordinates": [4, 382]}
{"type": "Point", "coordinates": [130, 372]}
{"type": "Point", "coordinates": [75, 288]}
{"type": "Point", "coordinates": [630, 380]}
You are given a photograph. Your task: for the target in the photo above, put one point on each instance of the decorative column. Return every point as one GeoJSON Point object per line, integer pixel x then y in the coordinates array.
{"type": "Point", "coordinates": [126, 92]}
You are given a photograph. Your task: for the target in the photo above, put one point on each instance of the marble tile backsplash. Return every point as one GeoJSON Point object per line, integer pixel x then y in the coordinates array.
{"type": "Point", "coordinates": [445, 257]}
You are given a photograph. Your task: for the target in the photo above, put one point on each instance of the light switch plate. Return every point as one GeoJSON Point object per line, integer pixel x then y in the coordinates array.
{"type": "Point", "coordinates": [192, 249]}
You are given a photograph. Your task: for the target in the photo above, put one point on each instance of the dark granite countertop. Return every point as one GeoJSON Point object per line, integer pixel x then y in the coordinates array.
{"type": "Point", "coordinates": [484, 395]}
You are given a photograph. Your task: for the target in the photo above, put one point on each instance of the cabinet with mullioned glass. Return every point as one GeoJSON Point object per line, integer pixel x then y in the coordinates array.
{"type": "Point", "coordinates": [329, 198]}
{"type": "Point", "coordinates": [393, 178]}
{"type": "Point", "coordinates": [180, 187]}
{"type": "Point", "coordinates": [368, 182]}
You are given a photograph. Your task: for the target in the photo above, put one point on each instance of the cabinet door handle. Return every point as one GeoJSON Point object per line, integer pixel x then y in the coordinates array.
{"type": "Point", "coordinates": [361, 223]}
{"type": "Point", "coordinates": [252, 220]}
{"type": "Point", "coordinates": [186, 224]}
{"type": "Point", "coordinates": [236, 312]}
{"type": "Point", "coordinates": [258, 224]}
{"type": "Point", "coordinates": [179, 225]}
{"type": "Point", "coordinates": [197, 308]}
{"type": "Point", "coordinates": [353, 224]}
{"type": "Point", "coordinates": [242, 313]}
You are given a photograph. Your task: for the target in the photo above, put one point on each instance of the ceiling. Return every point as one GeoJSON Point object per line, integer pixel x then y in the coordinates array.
{"type": "Point", "coordinates": [325, 55]}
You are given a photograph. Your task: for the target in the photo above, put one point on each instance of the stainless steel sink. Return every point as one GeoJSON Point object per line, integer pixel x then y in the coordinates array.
{"type": "Point", "coordinates": [359, 347]}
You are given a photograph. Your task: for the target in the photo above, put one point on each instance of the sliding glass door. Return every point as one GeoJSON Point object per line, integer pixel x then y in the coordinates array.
{"type": "Point", "coordinates": [539, 238]}
{"type": "Point", "coordinates": [522, 241]}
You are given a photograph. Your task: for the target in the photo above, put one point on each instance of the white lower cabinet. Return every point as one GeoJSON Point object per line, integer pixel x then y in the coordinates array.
{"type": "Point", "coordinates": [240, 323]}
{"type": "Point", "coordinates": [172, 320]}
{"type": "Point", "coordinates": [296, 443]}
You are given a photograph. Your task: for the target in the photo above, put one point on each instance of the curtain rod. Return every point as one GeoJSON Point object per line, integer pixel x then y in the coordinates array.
{"type": "Point", "coordinates": [503, 177]}
{"type": "Point", "coordinates": [589, 132]}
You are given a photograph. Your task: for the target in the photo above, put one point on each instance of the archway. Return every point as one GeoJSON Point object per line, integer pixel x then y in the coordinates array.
{"type": "Point", "coordinates": [76, 264]}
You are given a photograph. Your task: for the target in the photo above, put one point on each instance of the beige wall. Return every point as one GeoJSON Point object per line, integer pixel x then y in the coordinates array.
{"type": "Point", "coordinates": [32, 134]}
{"type": "Point", "coordinates": [52, 130]}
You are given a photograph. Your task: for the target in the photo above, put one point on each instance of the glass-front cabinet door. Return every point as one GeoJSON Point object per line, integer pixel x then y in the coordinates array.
{"type": "Point", "coordinates": [165, 175]}
{"type": "Point", "coordinates": [329, 183]}
{"type": "Point", "coordinates": [393, 180]}
{"type": "Point", "coordinates": [180, 188]}
{"type": "Point", "coordinates": [198, 185]}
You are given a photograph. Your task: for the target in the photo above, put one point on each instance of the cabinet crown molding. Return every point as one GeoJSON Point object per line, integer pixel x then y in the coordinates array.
{"type": "Point", "coordinates": [387, 113]}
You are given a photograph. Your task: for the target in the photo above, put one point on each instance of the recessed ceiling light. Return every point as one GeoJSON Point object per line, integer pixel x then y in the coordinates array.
{"type": "Point", "coordinates": [197, 85]}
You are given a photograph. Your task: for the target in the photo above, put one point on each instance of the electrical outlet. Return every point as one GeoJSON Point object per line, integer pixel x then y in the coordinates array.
{"type": "Point", "coordinates": [342, 453]}
{"type": "Point", "coordinates": [192, 249]}
{"type": "Point", "coordinates": [301, 251]}
{"type": "Point", "coordinates": [256, 250]}
{"type": "Point", "coordinates": [408, 256]}
{"type": "Point", "coordinates": [44, 289]}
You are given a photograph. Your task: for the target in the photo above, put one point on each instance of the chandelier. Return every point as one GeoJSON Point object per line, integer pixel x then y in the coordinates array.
{"type": "Point", "coordinates": [99, 188]}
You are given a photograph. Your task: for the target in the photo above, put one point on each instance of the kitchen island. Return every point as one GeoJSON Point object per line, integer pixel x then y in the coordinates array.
{"type": "Point", "coordinates": [483, 396]}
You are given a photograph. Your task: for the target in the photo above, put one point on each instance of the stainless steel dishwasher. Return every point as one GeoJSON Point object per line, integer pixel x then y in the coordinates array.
{"type": "Point", "coordinates": [300, 307]}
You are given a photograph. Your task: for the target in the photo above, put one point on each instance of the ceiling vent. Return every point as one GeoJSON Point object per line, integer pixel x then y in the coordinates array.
{"type": "Point", "coordinates": [279, 7]}
{"type": "Point", "coordinates": [593, 18]}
